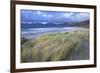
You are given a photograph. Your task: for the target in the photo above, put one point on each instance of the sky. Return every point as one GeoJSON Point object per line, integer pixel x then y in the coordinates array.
{"type": "Point", "coordinates": [56, 17]}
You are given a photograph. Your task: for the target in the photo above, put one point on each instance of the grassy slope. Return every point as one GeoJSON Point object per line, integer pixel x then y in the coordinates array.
{"type": "Point", "coordinates": [56, 47]}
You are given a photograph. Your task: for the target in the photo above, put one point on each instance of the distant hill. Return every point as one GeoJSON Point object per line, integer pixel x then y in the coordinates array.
{"type": "Point", "coordinates": [78, 24]}
{"type": "Point", "coordinates": [49, 25]}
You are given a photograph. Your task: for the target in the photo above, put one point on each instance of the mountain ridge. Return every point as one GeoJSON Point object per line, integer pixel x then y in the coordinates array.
{"type": "Point", "coordinates": [51, 25]}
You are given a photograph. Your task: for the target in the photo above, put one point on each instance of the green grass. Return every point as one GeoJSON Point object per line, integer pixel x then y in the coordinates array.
{"type": "Point", "coordinates": [57, 47]}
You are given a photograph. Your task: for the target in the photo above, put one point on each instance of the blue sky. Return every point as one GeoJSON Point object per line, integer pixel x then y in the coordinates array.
{"type": "Point", "coordinates": [52, 16]}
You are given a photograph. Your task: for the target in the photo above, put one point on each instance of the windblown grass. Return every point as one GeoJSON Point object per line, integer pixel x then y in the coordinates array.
{"type": "Point", "coordinates": [57, 47]}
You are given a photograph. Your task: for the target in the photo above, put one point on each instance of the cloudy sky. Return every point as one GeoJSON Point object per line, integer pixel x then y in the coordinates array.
{"type": "Point", "coordinates": [52, 16]}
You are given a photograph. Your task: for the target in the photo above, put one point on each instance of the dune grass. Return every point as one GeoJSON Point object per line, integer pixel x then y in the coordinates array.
{"type": "Point", "coordinates": [72, 45]}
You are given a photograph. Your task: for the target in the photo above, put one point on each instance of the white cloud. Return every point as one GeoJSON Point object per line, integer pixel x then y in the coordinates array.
{"type": "Point", "coordinates": [68, 14]}
{"type": "Point", "coordinates": [39, 12]}
{"type": "Point", "coordinates": [44, 22]}
{"type": "Point", "coordinates": [83, 14]}
{"type": "Point", "coordinates": [44, 15]}
{"type": "Point", "coordinates": [57, 23]}
{"type": "Point", "coordinates": [49, 15]}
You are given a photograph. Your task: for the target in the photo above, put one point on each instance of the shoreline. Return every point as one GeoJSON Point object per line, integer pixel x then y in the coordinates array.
{"type": "Point", "coordinates": [30, 35]}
